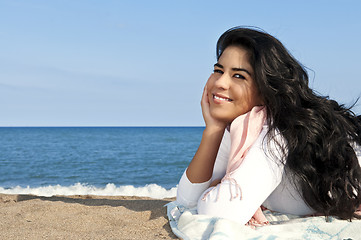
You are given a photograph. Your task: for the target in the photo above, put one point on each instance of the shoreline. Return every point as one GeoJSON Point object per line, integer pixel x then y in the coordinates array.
{"type": "Point", "coordinates": [83, 217]}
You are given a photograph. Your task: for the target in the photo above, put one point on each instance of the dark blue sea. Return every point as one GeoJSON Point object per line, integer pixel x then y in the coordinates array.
{"type": "Point", "coordinates": [140, 161]}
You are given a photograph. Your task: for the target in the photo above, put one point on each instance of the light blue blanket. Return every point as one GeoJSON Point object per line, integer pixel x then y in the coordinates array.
{"type": "Point", "coordinates": [188, 225]}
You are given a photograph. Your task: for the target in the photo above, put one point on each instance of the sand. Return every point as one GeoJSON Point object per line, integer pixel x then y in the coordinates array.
{"type": "Point", "coordinates": [83, 217]}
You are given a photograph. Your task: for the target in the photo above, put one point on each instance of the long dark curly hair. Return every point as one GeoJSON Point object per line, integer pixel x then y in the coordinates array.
{"type": "Point", "coordinates": [319, 133]}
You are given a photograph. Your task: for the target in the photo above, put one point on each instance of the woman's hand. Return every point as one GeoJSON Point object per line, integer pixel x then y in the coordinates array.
{"type": "Point", "coordinates": [211, 122]}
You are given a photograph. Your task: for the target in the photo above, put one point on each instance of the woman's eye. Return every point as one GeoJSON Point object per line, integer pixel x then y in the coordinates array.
{"type": "Point", "coordinates": [218, 71]}
{"type": "Point", "coordinates": [239, 76]}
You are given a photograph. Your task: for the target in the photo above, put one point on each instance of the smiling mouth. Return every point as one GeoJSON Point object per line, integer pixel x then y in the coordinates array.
{"type": "Point", "coordinates": [222, 98]}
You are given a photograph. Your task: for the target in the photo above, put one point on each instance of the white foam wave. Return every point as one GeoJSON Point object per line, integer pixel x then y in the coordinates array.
{"type": "Point", "coordinates": [151, 190]}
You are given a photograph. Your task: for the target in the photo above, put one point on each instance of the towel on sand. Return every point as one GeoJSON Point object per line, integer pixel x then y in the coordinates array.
{"type": "Point", "coordinates": [188, 225]}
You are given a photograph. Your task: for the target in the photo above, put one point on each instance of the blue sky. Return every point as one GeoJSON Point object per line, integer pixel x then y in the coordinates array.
{"type": "Point", "coordinates": [144, 63]}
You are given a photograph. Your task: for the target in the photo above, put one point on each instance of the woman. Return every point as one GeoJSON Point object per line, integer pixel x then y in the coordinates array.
{"type": "Point", "coordinates": [269, 139]}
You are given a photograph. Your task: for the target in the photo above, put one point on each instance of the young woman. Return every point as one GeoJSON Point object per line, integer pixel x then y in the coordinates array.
{"type": "Point", "coordinates": [269, 139]}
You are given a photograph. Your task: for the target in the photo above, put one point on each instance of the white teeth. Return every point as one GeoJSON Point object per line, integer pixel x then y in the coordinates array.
{"type": "Point", "coordinates": [220, 98]}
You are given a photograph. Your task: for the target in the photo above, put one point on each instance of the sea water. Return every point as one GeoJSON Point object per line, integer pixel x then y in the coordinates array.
{"type": "Point", "coordinates": [128, 161]}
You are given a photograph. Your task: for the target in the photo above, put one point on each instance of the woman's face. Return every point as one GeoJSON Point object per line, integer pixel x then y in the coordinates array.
{"type": "Point", "coordinates": [231, 88]}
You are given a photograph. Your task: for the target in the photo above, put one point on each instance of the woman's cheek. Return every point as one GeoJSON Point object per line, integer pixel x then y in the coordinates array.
{"type": "Point", "coordinates": [211, 77]}
{"type": "Point", "coordinates": [210, 82]}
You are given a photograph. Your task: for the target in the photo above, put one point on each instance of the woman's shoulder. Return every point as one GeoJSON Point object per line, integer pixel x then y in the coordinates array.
{"type": "Point", "coordinates": [273, 143]}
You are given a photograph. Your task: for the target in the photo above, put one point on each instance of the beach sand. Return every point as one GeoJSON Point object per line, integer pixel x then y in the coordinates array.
{"type": "Point", "coordinates": [83, 217]}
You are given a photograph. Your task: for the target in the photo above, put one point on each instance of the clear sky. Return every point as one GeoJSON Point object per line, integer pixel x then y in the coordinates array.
{"type": "Point", "coordinates": [144, 63]}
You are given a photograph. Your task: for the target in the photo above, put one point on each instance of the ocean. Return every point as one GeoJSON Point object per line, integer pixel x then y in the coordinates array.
{"type": "Point", "coordinates": [126, 161]}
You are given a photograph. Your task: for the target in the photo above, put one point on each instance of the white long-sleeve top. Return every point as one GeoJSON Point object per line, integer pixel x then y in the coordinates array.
{"type": "Point", "coordinates": [261, 179]}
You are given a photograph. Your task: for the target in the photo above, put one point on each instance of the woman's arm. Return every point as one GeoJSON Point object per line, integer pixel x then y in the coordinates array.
{"type": "Point", "coordinates": [188, 193]}
{"type": "Point", "coordinates": [201, 167]}
{"type": "Point", "coordinates": [198, 175]}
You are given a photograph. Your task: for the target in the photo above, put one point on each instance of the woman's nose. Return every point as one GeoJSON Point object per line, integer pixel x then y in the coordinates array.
{"type": "Point", "coordinates": [222, 82]}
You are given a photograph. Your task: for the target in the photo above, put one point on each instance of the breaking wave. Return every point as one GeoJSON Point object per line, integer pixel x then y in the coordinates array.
{"type": "Point", "coordinates": [150, 190]}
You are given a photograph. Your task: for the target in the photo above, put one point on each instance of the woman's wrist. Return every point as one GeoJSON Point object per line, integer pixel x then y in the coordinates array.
{"type": "Point", "coordinates": [211, 130]}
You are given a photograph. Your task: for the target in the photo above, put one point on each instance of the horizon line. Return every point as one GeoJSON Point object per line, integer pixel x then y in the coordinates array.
{"type": "Point", "coordinates": [100, 126]}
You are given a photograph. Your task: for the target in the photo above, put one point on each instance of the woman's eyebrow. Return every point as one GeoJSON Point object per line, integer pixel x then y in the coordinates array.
{"type": "Point", "coordinates": [234, 69]}
{"type": "Point", "coordinates": [218, 65]}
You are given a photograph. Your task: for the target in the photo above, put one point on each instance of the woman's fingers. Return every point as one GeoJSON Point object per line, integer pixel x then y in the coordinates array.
{"type": "Point", "coordinates": [205, 104]}
{"type": "Point", "coordinates": [205, 96]}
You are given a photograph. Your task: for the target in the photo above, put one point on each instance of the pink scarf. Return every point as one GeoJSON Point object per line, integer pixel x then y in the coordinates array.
{"type": "Point", "coordinates": [244, 131]}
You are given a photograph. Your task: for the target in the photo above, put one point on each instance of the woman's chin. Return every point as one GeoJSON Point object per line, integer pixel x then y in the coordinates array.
{"type": "Point", "coordinates": [222, 117]}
